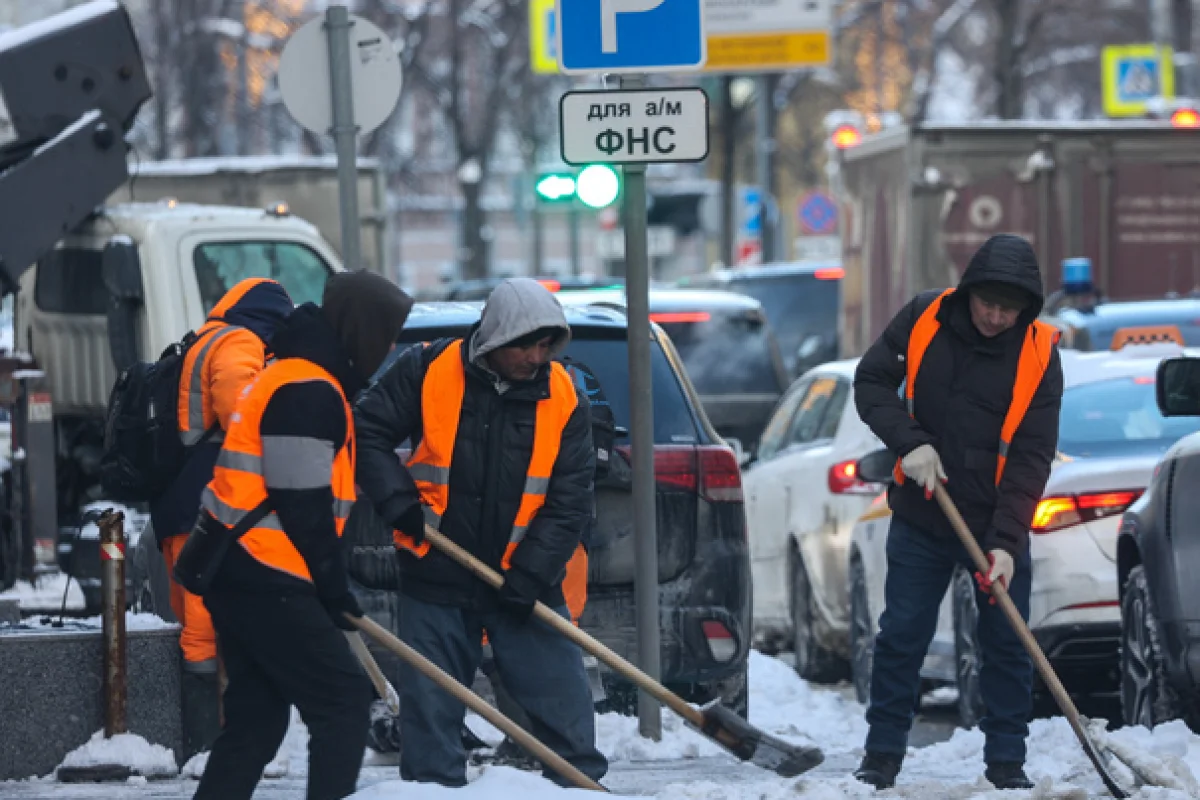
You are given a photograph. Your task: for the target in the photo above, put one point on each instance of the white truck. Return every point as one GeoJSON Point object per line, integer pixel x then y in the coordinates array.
{"type": "Point", "coordinates": [99, 286]}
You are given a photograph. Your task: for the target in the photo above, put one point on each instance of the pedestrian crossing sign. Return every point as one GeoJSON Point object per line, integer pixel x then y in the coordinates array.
{"type": "Point", "coordinates": [1134, 74]}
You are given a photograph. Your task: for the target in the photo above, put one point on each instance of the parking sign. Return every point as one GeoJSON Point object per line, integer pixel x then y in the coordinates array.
{"type": "Point", "coordinates": [630, 35]}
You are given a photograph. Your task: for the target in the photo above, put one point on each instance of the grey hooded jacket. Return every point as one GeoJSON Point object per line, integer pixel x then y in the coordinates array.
{"type": "Point", "coordinates": [492, 448]}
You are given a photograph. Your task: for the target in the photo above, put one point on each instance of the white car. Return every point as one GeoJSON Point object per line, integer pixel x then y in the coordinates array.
{"type": "Point", "coordinates": [802, 497]}
{"type": "Point", "coordinates": [1111, 435]}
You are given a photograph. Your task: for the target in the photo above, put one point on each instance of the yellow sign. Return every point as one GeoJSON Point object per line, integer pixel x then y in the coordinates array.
{"type": "Point", "coordinates": [543, 39]}
{"type": "Point", "coordinates": [765, 52]}
{"type": "Point", "coordinates": [1133, 74]}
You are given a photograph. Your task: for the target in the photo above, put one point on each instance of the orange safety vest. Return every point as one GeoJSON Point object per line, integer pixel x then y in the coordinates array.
{"type": "Point", "coordinates": [196, 411]}
{"type": "Point", "coordinates": [1040, 339]}
{"type": "Point", "coordinates": [238, 486]}
{"type": "Point", "coordinates": [441, 404]}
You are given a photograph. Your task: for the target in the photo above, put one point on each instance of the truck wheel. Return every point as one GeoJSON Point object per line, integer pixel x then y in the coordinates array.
{"type": "Point", "coordinates": [1146, 696]}
{"type": "Point", "coordinates": [966, 650]}
{"type": "Point", "coordinates": [862, 632]}
{"type": "Point", "coordinates": [814, 662]}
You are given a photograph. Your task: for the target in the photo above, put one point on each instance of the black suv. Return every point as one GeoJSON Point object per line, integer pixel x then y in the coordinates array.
{"type": "Point", "coordinates": [703, 555]}
{"type": "Point", "coordinates": [1158, 559]}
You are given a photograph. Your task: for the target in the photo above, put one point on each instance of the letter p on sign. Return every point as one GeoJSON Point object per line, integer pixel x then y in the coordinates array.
{"type": "Point", "coordinates": [608, 18]}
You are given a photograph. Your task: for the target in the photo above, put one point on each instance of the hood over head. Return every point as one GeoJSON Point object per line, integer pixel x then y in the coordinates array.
{"type": "Point", "coordinates": [367, 312]}
{"type": "Point", "coordinates": [258, 304]}
{"type": "Point", "coordinates": [515, 309]}
{"type": "Point", "coordinates": [1003, 267]}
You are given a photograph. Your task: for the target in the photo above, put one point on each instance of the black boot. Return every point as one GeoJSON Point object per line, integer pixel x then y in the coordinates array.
{"type": "Point", "coordinates": [200, 711]}
{"type": "Point", "coordinates": [879, 769]}
{"type": "Point", "coordinates": [1007, 775]}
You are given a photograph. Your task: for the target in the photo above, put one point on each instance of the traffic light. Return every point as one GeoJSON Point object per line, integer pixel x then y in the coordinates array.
{"type": "Point", "coordinates": [846, 136]}
{"type": "Point", "coordinates": [555, 187]}
{"type": "Point", "coordinates": [596, 186]}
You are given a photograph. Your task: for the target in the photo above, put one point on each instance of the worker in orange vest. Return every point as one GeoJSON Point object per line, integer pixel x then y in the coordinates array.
{"type": "Point", "coordinates": [229, 352]}
{"type": "Point", "coordinates": [982, 388]}
{"type": "Point", "coordinates": [280, 494]}
{"type": "Point", "coordinates": [503, 465]}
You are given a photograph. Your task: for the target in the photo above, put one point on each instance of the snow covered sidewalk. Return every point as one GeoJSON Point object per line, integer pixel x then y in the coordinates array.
{"type": "Point", "coordinates": [686, 766]}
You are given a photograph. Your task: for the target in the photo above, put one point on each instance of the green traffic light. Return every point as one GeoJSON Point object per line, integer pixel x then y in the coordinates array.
{"type": "Point", "coordinates": [555, 187]}
{"type": "Point", "coordinates": [597, 185]}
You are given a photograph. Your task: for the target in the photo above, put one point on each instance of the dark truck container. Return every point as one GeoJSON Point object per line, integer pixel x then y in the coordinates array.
{"type": "Point", "coordinates": [917, 202]}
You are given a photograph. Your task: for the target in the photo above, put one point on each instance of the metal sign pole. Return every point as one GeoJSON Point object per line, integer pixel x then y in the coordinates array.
{"type": "Point", "coordinates": [641, 433]}
{"type": "Point", "coordinates": [345, 132]}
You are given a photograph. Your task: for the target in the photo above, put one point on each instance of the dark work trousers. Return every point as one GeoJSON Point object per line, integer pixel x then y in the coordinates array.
{"type": "Point", "coordinates": [541, 670]}
{"type": "Point", "coordinates": [283, 650]}
{"type": "Point", "coordinates": [919, 570]}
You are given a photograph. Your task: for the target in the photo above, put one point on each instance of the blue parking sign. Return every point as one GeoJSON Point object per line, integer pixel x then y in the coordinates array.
{"type": "Point", "coordinates": [630, 35]}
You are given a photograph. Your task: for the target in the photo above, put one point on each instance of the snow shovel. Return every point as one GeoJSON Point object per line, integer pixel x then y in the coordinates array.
{"type": "Point", "coordinates": [715, 721]}
{"type": "Point", "coordinates": [386, 691]}
{"type": "Point", "coordinates": [1035, 651]}
{"type": "Point", "coordinates": [476, 703]}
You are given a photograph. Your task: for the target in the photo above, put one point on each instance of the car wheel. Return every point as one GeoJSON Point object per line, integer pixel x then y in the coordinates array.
{"type": "Point", "coordinates": [862, 632]}
{"type": "Point", "coordinates": [813, 661]}
{"type": "Point", "coordinates": [966, 650]}
{"type": "Point", "coordinates": [1146, 697]}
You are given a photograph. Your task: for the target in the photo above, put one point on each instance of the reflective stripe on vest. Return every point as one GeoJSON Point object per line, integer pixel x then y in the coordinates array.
{"type": "Point", "coordinates": [194, 417]}
{"type": "Point", "coordinates": [441, 406]}
{"type": "Point", "coordinates": [238, 486]}
{"type": "Point", "coordinates": [1032, 364]}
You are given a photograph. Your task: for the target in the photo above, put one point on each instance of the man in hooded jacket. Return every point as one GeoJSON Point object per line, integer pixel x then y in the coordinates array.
{"type": "Point", "coordinates": [286, 472]}
{"type": "Point", "coordinates": [230, 350]}
{"type": "Point", "coordinates": [502, 464]}
{"type": "Point", "coordinates": [979, 412]}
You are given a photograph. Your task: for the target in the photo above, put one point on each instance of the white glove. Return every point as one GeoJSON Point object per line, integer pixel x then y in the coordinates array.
{"type": "Point", "coordinates": [924, 467]}
{"type": "Point", "coordinates": [1002, 570]}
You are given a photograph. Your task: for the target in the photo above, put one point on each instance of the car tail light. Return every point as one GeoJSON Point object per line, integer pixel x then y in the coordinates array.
{"type": "Point", "coordinates": [721, 643]}
{"type": "Point", "coordinates": [711, 470]}
{"type": "Point", "coordinates": [830, 274]}
{"type": "Point", "coordinates": [668, 317]}
{"type": "Point", "coordinates": [1062, 511]}
{"type": "Point", "coordinates": [843, 479]}
{"type": "Point", "coordinates": [720, 478]}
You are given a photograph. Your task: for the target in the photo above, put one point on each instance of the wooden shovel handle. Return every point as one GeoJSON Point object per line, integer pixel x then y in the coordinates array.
{"type": "Point", "coordinates": [576, 635]}
{"type": "Point", "coordinates": [382, 685]}
{"type": "Point", "coordinates": [475, 703]}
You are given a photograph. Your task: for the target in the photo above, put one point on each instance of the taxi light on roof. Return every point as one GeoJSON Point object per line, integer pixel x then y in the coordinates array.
{"type": "Point", "coordinates": [1146, 334]}
{"type": "Point", "coordinates": [1185, 118]}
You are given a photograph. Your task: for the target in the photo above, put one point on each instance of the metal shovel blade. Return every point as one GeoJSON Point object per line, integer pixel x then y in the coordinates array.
{"type": "Point", "coordinates": [758, 747]}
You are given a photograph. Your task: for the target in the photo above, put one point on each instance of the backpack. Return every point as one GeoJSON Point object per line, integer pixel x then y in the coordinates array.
{"type": "Point", "coordinates": [143, 452]}
{"type": "Point", "coordinates": [604, 425]}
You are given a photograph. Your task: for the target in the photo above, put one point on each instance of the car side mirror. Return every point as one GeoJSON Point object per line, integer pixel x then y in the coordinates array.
{"type": "Point", "coordinates": [739, 450]}
{"type": "Point", "coordinates": [1177, 387]}
{"type": "Point", "coordinates": [876, 467]}
{"type": "Point", "coordinates": [121, 270]}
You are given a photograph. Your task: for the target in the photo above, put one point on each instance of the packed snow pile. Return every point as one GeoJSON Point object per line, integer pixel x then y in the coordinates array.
{"type": "Point", "coordinates": [134, 621]}
{"type": "Point", "coordinates": [493, 783]}
{"type": "Point", "coordinates": [45, 593]}
{"type": "Point", "coordinates": [124, 749]}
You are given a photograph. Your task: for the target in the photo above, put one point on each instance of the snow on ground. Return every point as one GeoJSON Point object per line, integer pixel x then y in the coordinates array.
{"type": "Point", "coordinates": [46, 592]}
{"type": "Point", "coordinates": [133, 622]}
{"type": "Point", "coordinates": [124, 749]}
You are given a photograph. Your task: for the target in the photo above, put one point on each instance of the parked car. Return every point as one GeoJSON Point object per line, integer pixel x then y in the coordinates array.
{"type": "Point", "coordinates": [703, 559]}
{"type": "Point", "coordinates": [482, 289]}
{"type": "Point", "coordinates": [1110, 326]}
{"type": "Point", "coordinates": [727, 347]}
{"type": "Point", "coordinates": [1111, 436]}
{"type": "Point", "coordinates": [1156, 556]}
{"type": "Point", "coordinates": [802, 301]}
{"type": "Point", "coordinates": [803, 497]}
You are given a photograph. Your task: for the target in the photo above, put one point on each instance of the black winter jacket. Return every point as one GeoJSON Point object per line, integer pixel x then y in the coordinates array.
{"type": "Point", "coordinates": [487, 477]}
{"type": "Point", "coordinates": [961, 396]}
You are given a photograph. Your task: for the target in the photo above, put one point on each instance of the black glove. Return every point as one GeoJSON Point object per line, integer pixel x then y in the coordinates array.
{"type": "Point", "coordinates": [339, 606]}
{"type": "Point", "coordinates": [411, 522]}
{"type": "Point", "coordinates": [520, 593]}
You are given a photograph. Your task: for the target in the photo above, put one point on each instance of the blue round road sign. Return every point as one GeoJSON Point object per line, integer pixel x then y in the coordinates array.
{"type": "Point", "coordinates": [818, 214]}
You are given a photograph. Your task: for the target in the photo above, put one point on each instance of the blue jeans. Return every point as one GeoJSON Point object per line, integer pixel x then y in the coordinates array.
{"type": "Point", "coordinates": [542, 671]}
{"type": "Point", "coordinates": [920, 568]}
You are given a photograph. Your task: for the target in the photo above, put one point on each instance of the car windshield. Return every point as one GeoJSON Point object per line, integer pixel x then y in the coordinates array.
{"type": "Point", "coordinates": [724, 353]}
{"type": "Point", "coordinates": [1118, 415]}
{"type": "Point", "coordinates": [798, 307]}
